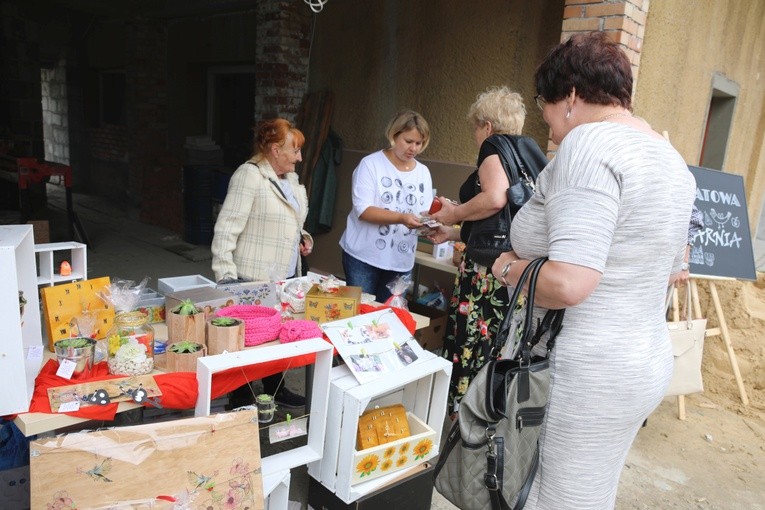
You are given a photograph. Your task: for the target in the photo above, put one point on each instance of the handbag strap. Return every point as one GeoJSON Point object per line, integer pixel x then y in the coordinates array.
{"type": "Point", "coordinates": [498, 343]}
{"type": "Point", "coordinates": [506, 156]}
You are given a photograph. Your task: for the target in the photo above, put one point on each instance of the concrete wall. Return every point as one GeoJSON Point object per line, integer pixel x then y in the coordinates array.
{"type": "Point", "coordinates": [377, 56]}
{"type": "Point", "coordinates": [684, 47]}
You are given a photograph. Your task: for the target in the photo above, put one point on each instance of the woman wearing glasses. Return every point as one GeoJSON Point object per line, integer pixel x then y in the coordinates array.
{"type": "Point", "coordinates": [611, 212]}
{"type": "Point", "coordinates": [259, 232]}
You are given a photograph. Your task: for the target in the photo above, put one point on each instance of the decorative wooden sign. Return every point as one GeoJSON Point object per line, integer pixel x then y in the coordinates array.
{"type": "Point", "coordinates": [117, 390]}
{"type": "Point", "coordinates": [198, 462]}
{"type": "Point", "coordinates": [63, 303]}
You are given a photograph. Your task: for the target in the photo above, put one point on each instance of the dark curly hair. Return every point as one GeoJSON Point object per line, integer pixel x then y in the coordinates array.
{"type": "Point", "coordinates": [591, 62]}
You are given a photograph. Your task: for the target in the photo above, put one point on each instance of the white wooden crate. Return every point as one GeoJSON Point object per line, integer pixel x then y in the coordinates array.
{"type": "Point", "coordinates": [285, 460]}
{"type": "Point", "coordinates": [422, 388]}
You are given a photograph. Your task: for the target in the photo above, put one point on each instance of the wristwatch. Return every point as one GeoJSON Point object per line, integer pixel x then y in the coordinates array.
{"type": "Point", "coordinates": [684, 266]}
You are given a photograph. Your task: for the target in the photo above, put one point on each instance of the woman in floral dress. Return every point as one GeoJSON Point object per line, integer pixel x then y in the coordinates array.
{"type": "Point", "coordinates": [479, 302]}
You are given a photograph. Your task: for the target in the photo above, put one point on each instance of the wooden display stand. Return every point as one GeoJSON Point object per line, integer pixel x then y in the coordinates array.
{"type": "Point", "coordinates": [422, 388]}
{"type": "Point", "coordinates": [722, 330]}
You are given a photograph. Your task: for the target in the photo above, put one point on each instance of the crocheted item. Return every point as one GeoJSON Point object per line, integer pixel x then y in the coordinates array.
{"type": "Point", "coordinates": [261, 323]}
{"type": "Point", "coordinates": [295, 330]}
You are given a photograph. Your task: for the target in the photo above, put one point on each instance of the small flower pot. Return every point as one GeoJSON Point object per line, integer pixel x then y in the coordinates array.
{"type": "Point", "coordinates": [266, 407]}
{"type": "Point", "coordinates": [78, 350]}
{"type": "Point", "coordinates": [229, 338]}
{"type": "Point", "coordinates": [183, 361]}
{"type": "Point", "coordinates": [185, 327]}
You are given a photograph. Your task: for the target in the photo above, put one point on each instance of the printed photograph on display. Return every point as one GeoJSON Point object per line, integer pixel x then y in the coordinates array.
{"type": "Point", "coordinates": [373, 344]}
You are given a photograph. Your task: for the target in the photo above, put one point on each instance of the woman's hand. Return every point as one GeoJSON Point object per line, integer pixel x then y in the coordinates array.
{"type": "Point", "coordinates": [306, 246]}
{"type": "Point", "coordinates": [448, 213]}
{"type": "Point", "coordinates": [442, 234]}
{"type": "Point", "coordinates": [502, 266]}
{"type": "Point", "coordinates": [410, 221]}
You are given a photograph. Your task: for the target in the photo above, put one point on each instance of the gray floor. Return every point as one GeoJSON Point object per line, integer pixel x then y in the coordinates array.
{"type": "Point", "coordinates": [122, 247]}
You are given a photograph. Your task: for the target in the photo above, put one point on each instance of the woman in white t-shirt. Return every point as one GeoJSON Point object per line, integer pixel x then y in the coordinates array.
{"type": "Point", "coordinates": [390, 191]}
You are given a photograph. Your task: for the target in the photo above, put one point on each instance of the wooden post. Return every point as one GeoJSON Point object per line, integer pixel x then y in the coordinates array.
{"type": "Point", "coordinates": [676, 318]}
{"type": "Point", "coordinates": [723, 330]}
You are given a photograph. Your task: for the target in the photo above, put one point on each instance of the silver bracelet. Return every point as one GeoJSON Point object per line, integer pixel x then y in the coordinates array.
{"type": "Point", "coordinates": [505, 270]}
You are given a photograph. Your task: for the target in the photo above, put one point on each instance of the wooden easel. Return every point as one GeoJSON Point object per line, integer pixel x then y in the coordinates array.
{"type": "Point", "coordinates": [722, 330]}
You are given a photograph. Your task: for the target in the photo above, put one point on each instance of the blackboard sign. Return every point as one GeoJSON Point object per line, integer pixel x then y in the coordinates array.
{"type": "Point", "coordinates": [724, 246]}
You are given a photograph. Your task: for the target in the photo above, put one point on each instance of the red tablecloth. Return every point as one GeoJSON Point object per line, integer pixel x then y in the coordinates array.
{"type": "Point", "coordinates": [179, 389]}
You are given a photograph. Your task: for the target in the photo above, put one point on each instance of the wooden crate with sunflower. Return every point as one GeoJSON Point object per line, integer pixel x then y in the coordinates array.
{"type": "Point", "coordinates": [402, 453]}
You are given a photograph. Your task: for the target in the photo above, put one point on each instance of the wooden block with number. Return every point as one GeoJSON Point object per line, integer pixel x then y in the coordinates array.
{"type": "Point", "coordinates": [62, 303]}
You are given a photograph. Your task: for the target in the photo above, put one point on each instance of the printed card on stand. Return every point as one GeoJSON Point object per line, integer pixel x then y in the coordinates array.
{"type": "Point", "coordinates": [373, 345]}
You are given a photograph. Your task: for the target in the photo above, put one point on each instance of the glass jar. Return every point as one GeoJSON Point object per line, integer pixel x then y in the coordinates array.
{"type": "Point", "coordinates": [131, 344]}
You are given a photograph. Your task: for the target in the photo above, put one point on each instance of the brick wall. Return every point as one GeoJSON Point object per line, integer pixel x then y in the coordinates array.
{"type": "Point", "coordinates": [623, 20]}
{"type": "Point", "coordinates": [55, 112]}
{"type": "Point", "coordinates": [281, 58]}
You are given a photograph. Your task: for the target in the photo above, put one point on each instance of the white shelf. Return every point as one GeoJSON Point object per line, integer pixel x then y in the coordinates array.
{"type": "Point", "coordinates": [78, 259]}
{"type": "Point", "coordinates": [20, 332]}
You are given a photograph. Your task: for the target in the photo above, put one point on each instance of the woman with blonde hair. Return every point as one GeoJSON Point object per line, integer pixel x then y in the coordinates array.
{"type": "Point", "coordinates": [480, 301]}
{"type": "Point", "coordinates": [390, 189]}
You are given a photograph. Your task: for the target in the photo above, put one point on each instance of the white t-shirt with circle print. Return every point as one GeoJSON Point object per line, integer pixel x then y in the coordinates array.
{"type": "Point", "coordinates": [376, 182]}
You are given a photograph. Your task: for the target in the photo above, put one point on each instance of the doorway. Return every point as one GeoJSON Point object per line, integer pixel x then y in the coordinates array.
{"type": "Point", "coordinates": [231, 111]}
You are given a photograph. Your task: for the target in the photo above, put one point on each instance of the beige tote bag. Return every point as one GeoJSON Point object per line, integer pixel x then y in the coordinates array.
{"type": "Point", "coordinates": [687, 338]}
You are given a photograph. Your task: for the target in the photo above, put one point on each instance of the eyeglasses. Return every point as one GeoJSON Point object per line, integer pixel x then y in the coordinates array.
{"type": "Point", "coordinates": [540, 101]}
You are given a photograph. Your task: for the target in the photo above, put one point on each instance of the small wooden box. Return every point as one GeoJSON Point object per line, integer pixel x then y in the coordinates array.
{"type": "Point", "coordinates": [402, 453]}
{"type": "Point", "coordinates": [331, 306]}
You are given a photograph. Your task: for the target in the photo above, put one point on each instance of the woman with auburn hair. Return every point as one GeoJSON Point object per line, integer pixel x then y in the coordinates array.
{"type": "Point", "coordinates": [611, 212]}
{"type": "Point", "coordinates": [480, 301]}
{"type": "Point", "coordinates": [259, 232]}
{"type": "Point", "coordinates": [390, 189]}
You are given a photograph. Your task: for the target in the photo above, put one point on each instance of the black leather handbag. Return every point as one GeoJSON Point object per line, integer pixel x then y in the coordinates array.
{"type": "Point", "coordinates": [522, 160]}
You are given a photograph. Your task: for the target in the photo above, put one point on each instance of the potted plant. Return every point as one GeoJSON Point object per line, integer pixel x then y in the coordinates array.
{"type": "Point", "coordinates": [80, 351]}
{"type": "Point", "coordinates": [266, 407]}
{"type": "Point", "coordinates": [225, 334]}
{"type": "Point", "coordinates": [182, 356]}
{"type": "Point", "coordinates": [185, 322]}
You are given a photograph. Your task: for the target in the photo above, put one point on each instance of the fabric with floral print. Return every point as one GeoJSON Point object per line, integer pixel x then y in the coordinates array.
{"type": "Point", "coordinates": [476, 310]}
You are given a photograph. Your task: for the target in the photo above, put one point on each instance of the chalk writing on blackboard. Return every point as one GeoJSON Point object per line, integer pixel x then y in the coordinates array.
{"type": "Point", "coordinates": [724, 246]}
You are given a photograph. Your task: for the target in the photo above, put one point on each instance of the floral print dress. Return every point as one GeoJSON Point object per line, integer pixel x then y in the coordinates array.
{"type": "Point", "coordinates": [476, 310]}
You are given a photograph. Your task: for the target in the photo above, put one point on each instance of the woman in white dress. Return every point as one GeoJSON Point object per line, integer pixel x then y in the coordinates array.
{"type": "Point", "coordinates": [611, 212]}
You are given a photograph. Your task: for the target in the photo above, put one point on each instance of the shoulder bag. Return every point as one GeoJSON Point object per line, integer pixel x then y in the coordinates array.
{"type": "Point", "coordinates": [522, 160]}
{"type": "Point", "coordinates": [491, 454]}
{"type": "Point", "coordinates": [687, 338]}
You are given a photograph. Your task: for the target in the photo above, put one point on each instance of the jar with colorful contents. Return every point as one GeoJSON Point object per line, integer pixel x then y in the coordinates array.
{"type": "Point", "coordinates": [131, 344]}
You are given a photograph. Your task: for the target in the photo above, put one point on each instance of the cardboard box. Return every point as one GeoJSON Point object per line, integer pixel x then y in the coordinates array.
{"type": "Point", "coordinates": [443, 251]}
{"type": "Point", "coordinates": [331, 306]}
{"type": "Point", "coordinates": [253, 293]}
{"type": "Point", "coordinates": [177, 283]}
{"type": "Point", "coordinates": [413, 491]}
{"type": "Point", "coordinates": [206, 298]}
{"type": "Point", "coordinates": [431, 337]}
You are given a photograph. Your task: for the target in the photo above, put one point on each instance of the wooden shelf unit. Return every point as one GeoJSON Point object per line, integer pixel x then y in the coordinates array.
{"type": "Point", "coordinates": [47, 272]}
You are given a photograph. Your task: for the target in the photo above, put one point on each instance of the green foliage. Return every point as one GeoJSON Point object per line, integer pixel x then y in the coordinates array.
{"type": "Point", "coordinates": [75, 343]}
{"type": "Point", "coordinates": [187, 307]}
{"type": "Point", "coordinates": [224, 322]}
{"type": "Point", "coordinates": [185, 346]}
